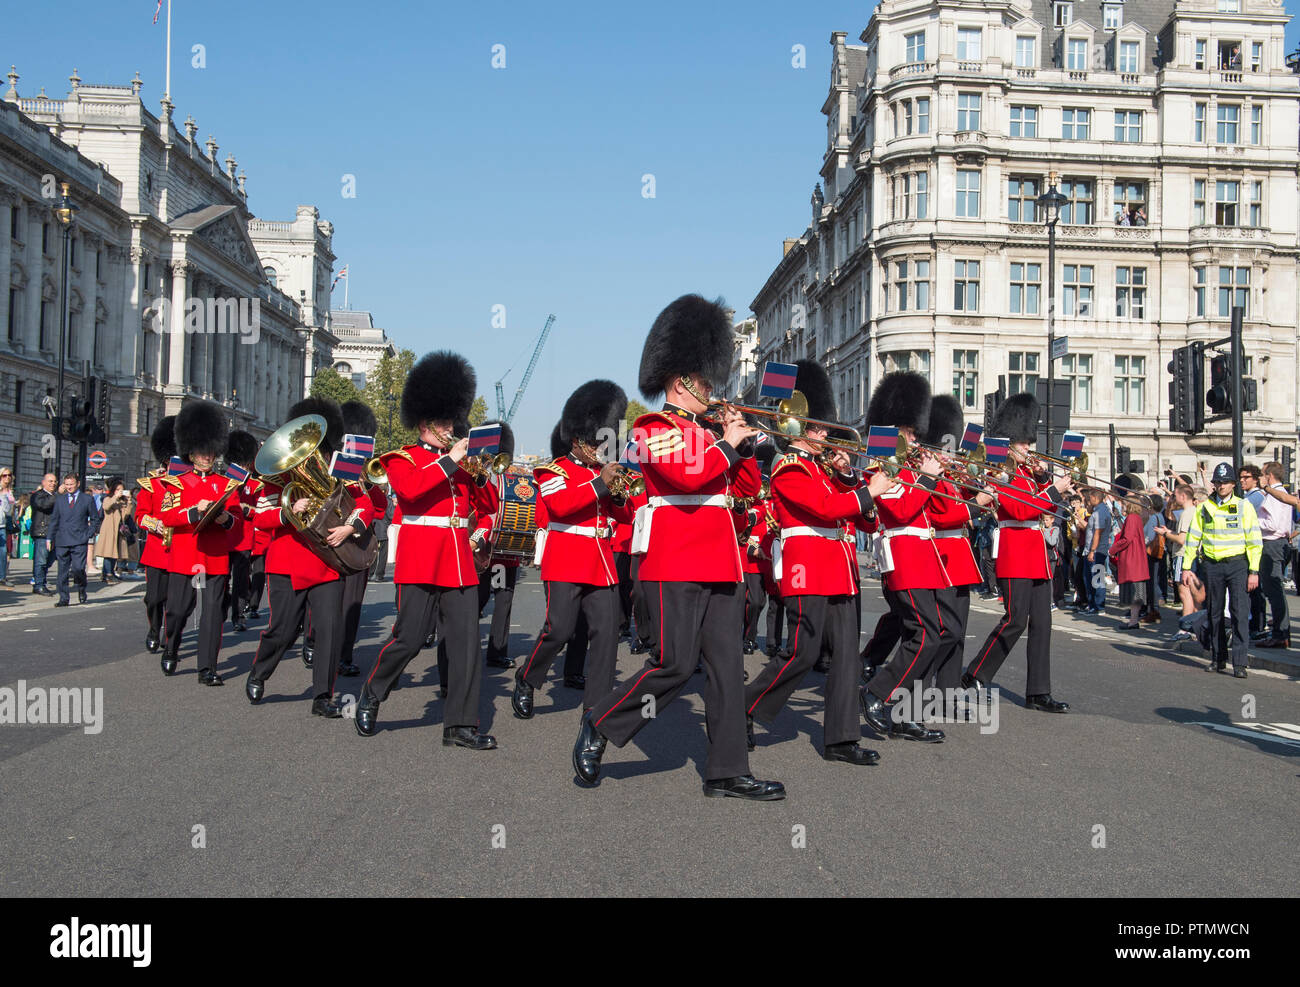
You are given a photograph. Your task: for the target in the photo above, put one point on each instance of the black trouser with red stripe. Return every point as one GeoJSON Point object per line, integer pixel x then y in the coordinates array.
{"type": "Point", "coordinates": [155, 597]}
{"type": "Point", "coordinates": [883, 640]}
{"type": "Point", "coordinates": [1029, 604]}
{"type": "Point", "coordinates": [354, 594]}
{"type": "Point", "coordinates": [755, 600]}
{"type": "Point", "coordinates": [645, 628]}
{"type": "Point", "coordinates": [256, 580]}
{"type": "Point", "coordinates": [623, 567]}
{"type": "Point", "coordinates": [239, 589]}
{"type": "Point", "coordinates": [954, 609]}
{"type": "Point", "coordinates": [505, 576]}
{"type": "Point", "coordinates": [182, 596]}
{"type": "Point", "coordinates": [563, 602]}
{"type": "Point", "coordinates": [690, 620]}
{"type": "Point", "coordinates": [454, 610]}
{"type": "Point", "coordinates": [816, 622]}
{"type": "Point", "coordinates": [924, 638]}
{"type": "Point", "coordinates": [287, 606]}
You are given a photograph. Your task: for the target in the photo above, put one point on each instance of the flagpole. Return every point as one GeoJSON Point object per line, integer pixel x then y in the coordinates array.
{"type": "Point", "coordinates": [167, 89]}
{"type": "Point", "coordinates": [345, 293]}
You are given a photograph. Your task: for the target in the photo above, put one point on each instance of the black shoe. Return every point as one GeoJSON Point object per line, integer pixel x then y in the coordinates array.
{"type": "Point", "coordinates": [914, 731]}
{"type": "Point", "coordinates": [1046, 704]}
{"type": "Point", "coordinates": [749, 732]}
{"type": "Point", "coordinates": [1239, 673]}
{"type": "Point", "coordinates": [240, 627]}
{"type": "Point", "coordinates": [823, 665]}
{"type": "Point", "coordinates": [36, 590]}
{"type": "Point", "coordinates": [745, 787]}
{"type": "Point", "coordinates": [61, 603]}
{"type": "Point", "coordinates": [168, 662]}
{"type": "Point", "coordinates": [468, 737]}
{"type": "Point", "coordinates": [751, 647]}
{"type": "Point", "coordinates": [45, 591]}
{"type": "Point", "coordinates": [522, 700]}
{"type": "Point", "coordinates": [326, 706]}
{"type": "Point", "coordinates": [575, 681]}
{"type": "Point", "coordinates": [770, 652]}
{"type": "Point", "coordinates": [429, 641]}
{"type": "Point", "coordinates": [868, 672]}
{"type": "Point", "coordinates": [81, 596]}
{"type": "Point", "coordinates": [151, 642]}
{"type": "Point", "coordinates": [1222, 669]}
{"type": "Point", "coordinates": [252, 613]}
{"type": "Point", "coordinates": [209, 677]}
{"type": "Point", "coordinates": [500, 661]}
{"type": "Point", "coordinates": [349, 671]}
{"type": "Point", "coordinates": [850, 753]}
{"type": "Point", "coordinates": [588, 749]}
{"type": "Point", "coordinates": [1273, 642]}
{"type": "Point", "coordinates": [308, 655]}
{"type": "Point", "coordinates": [254, 689]}
{"type": "Point", "coordinates": [367, 713]}
{"type": "Point", "coordinates": [874, 711]}
{"type": "Point", "coordinates": [1213, 666]}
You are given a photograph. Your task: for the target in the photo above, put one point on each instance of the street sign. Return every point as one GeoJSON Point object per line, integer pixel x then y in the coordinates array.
{"type": "Point", "coordinates": [1060, 347]}
{"type": "Point", "coordinates": [97, 459]}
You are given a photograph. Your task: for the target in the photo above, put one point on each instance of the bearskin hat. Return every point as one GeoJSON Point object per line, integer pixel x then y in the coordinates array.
{"type": "Point", "coordinates": [201, 427]}
{"type": "Point", "coordinates": [814, 383]}
{"type": "Point", "coordinates": [440, 387]}
{"type": "Point", "coordinates": [901, 399]}
{"type": "Point", "coordinates": [163, 440]}
{"type": "Point", "coordinates": [558, 446]}
{"type": "Point", "coordinates": [333, 415]}
{"type": "Point", "coordinates": [507, 437]}
{"type": "Point", "coordinates": [946, 419]}
{"type": "Point", "coordinates": [241, 448]}
{"type": "Point", "coordinates": [692, 335]}
{"type": "Point", "coordinates": [1016, 418]}
{"type": "Point", "coordinates": [595, 406]}
{"type": "Point", "coordinates": [358, 419]}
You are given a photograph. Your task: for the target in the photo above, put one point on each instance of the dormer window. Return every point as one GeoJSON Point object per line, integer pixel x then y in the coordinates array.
{"type": "Point", "coordinates": [1112, 17]}
{"type": "Point", "coordinates": [1063, 14]}
{"type": "Point", "coordinates": [1076, 54]}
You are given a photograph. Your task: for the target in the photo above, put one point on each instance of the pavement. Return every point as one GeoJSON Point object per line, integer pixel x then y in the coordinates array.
{"type": "Point", "coordinates": [1162, 781]}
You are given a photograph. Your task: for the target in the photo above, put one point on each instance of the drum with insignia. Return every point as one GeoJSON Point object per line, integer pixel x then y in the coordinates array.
{"type": "Point", "coordinates": [515, 534]}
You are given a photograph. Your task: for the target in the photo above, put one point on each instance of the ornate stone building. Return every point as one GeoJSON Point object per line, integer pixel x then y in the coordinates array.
{"type": "Point", "coordinates": [360, 345]}
{"type": "Point", "coordinates": [1171, 127]}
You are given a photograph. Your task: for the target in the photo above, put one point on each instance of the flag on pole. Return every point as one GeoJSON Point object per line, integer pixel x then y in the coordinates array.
{"type": "Point", "coordinates": [1072, 445]}
{"type": "Point", "coordinates": [236, 472]}
{"type": "Point", "coordinates": [178, 467]}
{"type": "Point", "coordinates": [485, 438]}
{"type": "Point", "coordinates": [157, 11]}
{"type": "Point", "coordinates": [778, 380]}
{"type": "Point", "coordinates": [358, 445]}
{"type": "Point", "coordinates": [341, 276]}
{"type": "Point", "coordinates": [995, 450]}
{"type": "Point", "coordinates": [347, 468]}
{"type": "Point", "coordinates": [971, 438]}
{"type": "Point", "coordinates": [882, 441]}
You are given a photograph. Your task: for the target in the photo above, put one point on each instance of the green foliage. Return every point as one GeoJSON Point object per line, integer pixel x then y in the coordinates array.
{"type": "Point", "coordinates": [479, 412]}
{"type": "Point", "coordinates": [331, 384]}
{"type": "Point", "coordinates": [635, 409]}
{"type": "Point", "coordinates": [383, 393]}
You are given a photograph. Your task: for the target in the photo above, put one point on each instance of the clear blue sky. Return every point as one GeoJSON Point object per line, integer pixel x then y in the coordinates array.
{"type": "Point", "coordinates": [518, 186]}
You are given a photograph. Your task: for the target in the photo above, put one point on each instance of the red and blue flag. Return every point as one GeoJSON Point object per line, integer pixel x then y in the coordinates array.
{"type": "Point", "coordinates": [178, 467]}
{"type": "Point", "coordinates": [882, 441]}
{"type": "Point", "coordinates": [359, 445]}
{"type": "Point", "coordinates": [347, 468]}
{"type": "Point", "coordinates": [778, 380]}
{"type": "Point", "coordinates": [971, 439]}
{"type": "Point", "coordinates": [995, 450]}
{"type": "Point", "coordinates": [1072, 445]}
{"type": "Point", "coordinates": [236, 472]}
{"type": "Point", "coordinates": [485, 439]}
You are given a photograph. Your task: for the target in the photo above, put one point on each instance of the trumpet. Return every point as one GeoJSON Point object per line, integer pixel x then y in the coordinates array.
{"type": "Point", "coordinates": [626, 483]}
{"type": "Point", "coordinates": [375, 475]}
{"type": "Point", "coordinates": [486, 465]}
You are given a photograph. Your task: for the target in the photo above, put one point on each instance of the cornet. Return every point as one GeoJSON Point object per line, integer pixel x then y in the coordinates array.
{"type": "Point", "coordinates": [627, 483]}
{"type": "Point", "coordinates": [485, 465]}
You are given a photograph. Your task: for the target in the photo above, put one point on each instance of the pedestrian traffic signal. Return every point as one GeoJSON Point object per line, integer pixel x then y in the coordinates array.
{"type": "Point", "coordinates": [1287, 454]}
{"type": "Point", "coordinates": [1122, 459]}
{"type": "Point", "coordinates": [103, 410]}
{"type": "Point", "coordinates": [81, 419]}
{"type": "Point", "coordinates": [1186, 410]}
{"type": "Point", "coordinates": [1219, 396]}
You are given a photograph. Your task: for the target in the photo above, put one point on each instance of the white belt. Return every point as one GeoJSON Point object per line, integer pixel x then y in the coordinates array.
{"type": "Point", "coordinates": [693, 500]}
{"type": "Point", "coordinates": [925, 533]}
{"type": "Point", "coordinates": [586, 531]}
{"type": "Point", "coordinates": [951, 533]}
{"type": "Point", "coordinates": [835, 534]}
{"type": "Point", "coordinates": [1017, 524]}
{"type": "Point", "coordinates": [439, 521]}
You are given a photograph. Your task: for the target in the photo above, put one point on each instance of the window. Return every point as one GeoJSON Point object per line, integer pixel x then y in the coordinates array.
{"type": "Point", "coordinates": [1077, 369]}
{"type": "Point", "coordinates": [921, 281]}
{"type": "Point", "coordinates": [907, 116]}
{"type": "Point", "coordinates": [95, 354]}
{"type": "Point", "coordinates": [1128, 126]}
{"type": "Point", "coordinates": [968, 194]}
{"type": "Point", "coordinates": [1076, 54]}
{"type": "Point", "coordinates": [968, 44]}
{"type": "Point", "coordinates": [1074, 124]}
{"type": "Point", "coordinates": [965, 379]}
{"type": "Point", "coordinates": [1198, 62]}
{"type": "Point", "coordinates": [911, 194]}
{"type": "Point", "coordinates": [900, 282]}
{"type": "Point", "coordinates": [1130, 378]}
{"type": "Point", "coordinates": [1234, 290]}
{"type": "Point", "coordinates": [1227, 128]}
{"type": "Point", "coordinates": [12, 328]}
{"type": "Point", "coordinates": [966, 285]}
{"type": "Point", "coordinates": [1130, 292]}
{"type": "Point", "coordinates": [44, 326]}
{"type": "Point", "coordinates": [1078, 211]}
{"type": "Point", "coordinates": [1112, 17]}
{"type": "Point", "coordinates": [1226, 197]}
{"type": "Point", "coordinates": [1024, 121]}
{"type": "Point", "coordinates": [915, 46]}
{"type": "Point", "coordinates": [1021, 196]}
{"type": "Point", "coordinates": [1128, 56]}
{"type": "Point", "coordinates": [968, 111]}
{"type": "Point", "coordinates": [45, 238]}
{"type": "Point", "coordinates": [1026, 56]}
{"type": "Point", "coordinates": [1062, 14]}
{"type": "Point", "coordinates": [1076, 284]}
{"type": "Point", "coordinates": [13, 222]}
{"type": "Point", "coordinates": [1257, 125]}
{"type": "Point", "coordinates": [1198, 123]}
{"type": "Point", "coordinates": [72, 252]}
{"type": "Point", "coordinates": [1198, 291]}
{"type": "Point", "coordinates": [70, 342]}
{"type": "Point", "coordinates": [920, 190]}
{"type": "Point", "coordinates": [923, 115]}
{"type": "Point", "coordinates": [911, 285]}
{"type": "Point", "coordinates": [18, 398]}
{"type": "Point", "coordinates": [1256, 56]}
{"type": "Point", "coordinates": [1198, 202]}
{"type": "Point", "coordinates": [270, 275]}
{"type": "Point", "coordinates": [1256, 204]}
{"type": "Point", "coordinates": [917, 361]}
{"type": "Point", "coordinates": [1229, 6]}
{"type": "Point", "coordinates": [99, 265]}
{"type": "Point", "coordinates": [1026, 287]}
{"type": "Point", "coordinates": [1023, 373]}
{"type": "Point", "coordinates": [1130, 197]}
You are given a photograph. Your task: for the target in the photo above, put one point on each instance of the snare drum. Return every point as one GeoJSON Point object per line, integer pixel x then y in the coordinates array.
{"type": "Point", "coordinates": [514, 535]}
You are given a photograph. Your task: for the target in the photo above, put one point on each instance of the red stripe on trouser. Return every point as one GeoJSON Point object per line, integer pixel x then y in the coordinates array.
{"type": "Point", "coordinates": [546, 626]}
{"type": "Point", "coordinates": [996, 635]}
{"type": "Point", "coordinates": [919, 648]}
{"type": "Point", "coordinates": [380, 659]}
{"type": "Point", "coordinates": [648, 670]}
{"type": "Point", "coordinates": [794, 650]}
{"type": "Point", "coordinates": [270, 619]}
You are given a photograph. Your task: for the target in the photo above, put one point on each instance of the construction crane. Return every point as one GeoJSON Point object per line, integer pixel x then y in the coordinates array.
{"type": "Point", "coordinates": [528, 374]}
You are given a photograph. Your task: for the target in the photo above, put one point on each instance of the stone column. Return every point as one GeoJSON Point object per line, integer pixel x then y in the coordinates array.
{"type": "Point", "coordinates": [35, 270]}
{"type": "Point", "coordinates": [178, 371]}
{"type": "Point", "coordinates": [7, 199]}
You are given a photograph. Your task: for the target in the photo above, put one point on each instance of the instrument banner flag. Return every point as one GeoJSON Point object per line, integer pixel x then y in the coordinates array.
{"type": "Point", "coordinates": [236, 472]}
{"type": "Point", "coordinates": [178, 467]}
{"type": "Point", "coordinates": [882, 441]}
{"type": "Point", "coordinates": [485, 439]}
{"type": "Point", "coordinates": [778, 380]}
{"type": "Point", "coordinates": [350, 469]}
{"type": "Point", "coordinates": [358, 445]}
{"type": "Point", "coordinates": [995, 450]}
{"type": "Point", "coordinates": [1072, 445]}
{"type": "Point", "coordinates": [971, 439]}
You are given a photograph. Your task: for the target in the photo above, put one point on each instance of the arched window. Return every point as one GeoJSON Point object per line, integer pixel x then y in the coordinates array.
{"type": "Point", "coordinates": [270, 275]}
{"type": "Point", "coordinates": [345, 369]}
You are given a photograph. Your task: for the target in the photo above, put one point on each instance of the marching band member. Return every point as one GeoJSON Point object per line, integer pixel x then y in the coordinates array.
{"type": "Point", "coordinates": [435, 572]}
{"type": "Point", "coordinates": [691, 571]}
{"type": "Point", "coordinates": [1023, 570]}
{"type": "Point", "coordinates": [751, 537]}
{"type": "Point", "coordinates": [358, 419]}
{"type": "Point", "coordinates": [242, 450]}
{"type": "Point", "coordinates": [201, 556]}
{"type": "Point", "coordinates": [155, 556]}
{"type": "Point", "coordinates": [817, 583]}
{"type": "Point", "coordinates": [912, 571]}
{"type": "Point", "coordinates": [582, 506]}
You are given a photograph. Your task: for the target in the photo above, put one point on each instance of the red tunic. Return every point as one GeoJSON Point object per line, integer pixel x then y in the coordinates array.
{"type": "Point", "coordinates": [575, 497]}
{"type": "Point", "coordinates": [817, 557]}
{"type": "Point", "coordinates": [1022, 550]}
{"type": "Point", "coordinates": [691, 541]}
{"type": "Point", "coordinates": [198, 551]}
{"type": "Point", "coordinates": [249, 494]}
{"type": "Point", "coordinates": [287, 553]}
{"type": "Point", "coordinates": [917, 564]}
{"type": "Point", "coordinates": [955, 549]}
{"type": "Point", "coordinates": [148, 505]}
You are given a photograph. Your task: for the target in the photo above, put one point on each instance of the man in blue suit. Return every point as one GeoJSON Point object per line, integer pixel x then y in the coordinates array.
{"type": "Point", "coordinates": [73, 523]}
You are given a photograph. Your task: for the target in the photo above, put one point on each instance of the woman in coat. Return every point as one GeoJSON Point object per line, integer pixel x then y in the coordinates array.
{"type": "Point", "coordinates": [1129, 553]}
{"type": "Point", "coordinates": [111, 545]}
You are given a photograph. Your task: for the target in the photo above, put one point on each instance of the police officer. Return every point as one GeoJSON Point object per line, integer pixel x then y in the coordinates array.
{"type": "Point", "coordinates": [1225, 531]}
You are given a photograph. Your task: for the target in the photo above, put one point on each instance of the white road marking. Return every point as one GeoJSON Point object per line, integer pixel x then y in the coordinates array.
{"type": "Point", "coordinates": [1287, 734]}
{"type": "Point", "coordinates": [99, 628]}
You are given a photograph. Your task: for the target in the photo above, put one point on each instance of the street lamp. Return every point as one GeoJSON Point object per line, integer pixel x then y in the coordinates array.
{"type": "Point", "coordinates": [1051, 203]}
{"type": "Point", "coordinates": [65, 213]}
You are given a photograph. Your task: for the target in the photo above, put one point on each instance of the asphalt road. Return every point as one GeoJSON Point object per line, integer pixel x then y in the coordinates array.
{"type": "Point", "coordinates": [1194, 797]}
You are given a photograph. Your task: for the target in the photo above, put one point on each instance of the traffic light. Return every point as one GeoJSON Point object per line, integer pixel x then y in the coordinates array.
{"type": "Point", "coordinates": [1249, 394]}
{"type": "Point", "coordinates": [1186, 410]}
{"type": "Point", "coordinates": [992, 401]}
{"type": "Point", "coordinates": [1219, 396]}
{"type": "Point", "coordinates": [80, 419]}
{"type": "Point", "coordinates": [1287, 454]}
{"type": "Point", "coordinates": [103, 410]}
{"type": "Point", "coordinates": [1122, 462]}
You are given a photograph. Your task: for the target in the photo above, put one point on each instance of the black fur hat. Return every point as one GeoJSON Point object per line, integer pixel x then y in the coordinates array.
{"type": "Point", "coordinates": [333, 415]}
{"type": "Point", "coordinates": [901, 399]}
{"type": "Point", "coordinates": [558, 446]}
{"type": "Point", "coordinates": [440, 387]}
{"type": "Point", "coordinates": [814, 383]}
{"type": "Point", "coordinates": [692, 335]}
{"type": "Point", "coordinates": [358, 419]}
{"type": "Point", "coordinates": [507, 437]}
{"type": "Point", "coordinates": [242, 448]}
{"type": "Point", "coordinates": [596, 405]}
{"type": "Point", "coordinates": [1016, 419]}
{"type": "Point", "coordinates": [163, 440]}
{"type": "Point", "coordinates": [946, 419]}
{"type": "Point", "coordinates": [201, 427]}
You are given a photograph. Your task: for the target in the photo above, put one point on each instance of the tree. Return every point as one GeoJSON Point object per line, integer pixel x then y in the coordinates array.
{"type": "Point", "coordinates": [331, 384]}
{"type": "Point", "coordinates": [635, 409]}
{"type": "Point", "coordinates": [384, 395]}
{"type": "Point", "coordinates": [478, 413]}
